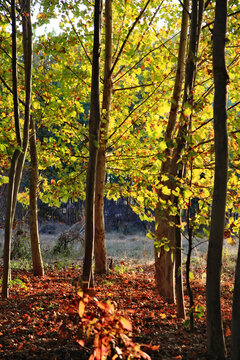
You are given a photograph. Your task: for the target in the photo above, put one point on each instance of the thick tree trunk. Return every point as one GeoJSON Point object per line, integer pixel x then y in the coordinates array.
{"type": "Point", "coordinates": [215, 337]}
{"type": "Point", "coordinates": [94, 126]}
{"type": "Point", "coordinates": [164, 271]}
{"type": "Point", "coordinates": [38, 268]}
{"type": "Point", "coordinates": [236, 312]}
{"type": "Point", "coordinates": [18, 159]}
{"type": "Point", "coordinates": [99, 246]}
{"type": "Point", "coordinates": [172, 168]}
{"type": "Point", "coordinates": [164, 261]}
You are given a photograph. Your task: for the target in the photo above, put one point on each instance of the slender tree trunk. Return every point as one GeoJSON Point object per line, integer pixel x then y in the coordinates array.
{"type": "Point", "coordinates": [188, 267]}
{"type": "Point", "coordinates": [18, 159]}
{"type": "Point", "coordinates": [38, 268]}
{"type": "Point", "coordinates": [177, 166]}
{"type": "Point", "coordinates": [14, 161]}
{"type": "Point", "coordinates": [8, 226]}
{"type": "Point", "coordinates": [164, 267]}
{"type": "Point", "coordinates": [178, 269]}
{"type": "Point", "coordinates": [94, 126]}
{"type": "Point", "coordinates": [99, 246]}
{"type": "Point", "coordinates": [215, 337]}
{"type": "Point", "coordinates": [236, 311]}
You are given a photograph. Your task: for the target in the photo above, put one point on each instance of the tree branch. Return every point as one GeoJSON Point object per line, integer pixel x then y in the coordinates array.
{"type": "Point", "coordinates": [128, 34]}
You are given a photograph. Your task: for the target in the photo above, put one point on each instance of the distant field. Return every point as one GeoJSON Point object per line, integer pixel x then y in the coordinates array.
{"type": "Point", "coordinates": [133, 248]}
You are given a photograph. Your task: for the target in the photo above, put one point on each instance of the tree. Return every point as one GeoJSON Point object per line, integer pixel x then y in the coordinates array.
{"type": "Point", "coordinates": [165, 244]}
{"type": "Point", "coordinates": [94, 126]}
{"type": "Point", "coordinates": [215, 337]}
{"type": "Point", "coordinates": [38, 268]}
{"type": "Point", "coordinates": [99, 244]}
{"type": "Point", "coordinates": [100, 251]}
{"type": "Point", "coordinates": [162, 219]}
{"type": "Point", "coordinates": [36, 253]}
{"type": "Point", "coordinates": [18, 158]}
{"type": "Point", "coordinates": [235, 340]}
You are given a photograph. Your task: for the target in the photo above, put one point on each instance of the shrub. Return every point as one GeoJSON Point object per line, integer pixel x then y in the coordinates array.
{"type": "Point", "coordinates": [21, 247]}
{"type": "Point", "coordinates": [107, 330]}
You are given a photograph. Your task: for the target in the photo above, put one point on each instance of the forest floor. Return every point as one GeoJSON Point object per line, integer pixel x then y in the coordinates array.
{"type": "Point", "coordinates": [40, 320]}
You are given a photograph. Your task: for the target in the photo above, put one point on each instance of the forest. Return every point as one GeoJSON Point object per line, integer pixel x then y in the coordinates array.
{"type": "Point", "coordinates": [121, 114]}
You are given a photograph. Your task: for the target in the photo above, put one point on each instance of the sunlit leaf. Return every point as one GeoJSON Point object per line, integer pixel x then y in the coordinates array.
{"type": "Point", "coordinates": [81, 308]}
{"type": "Point", "coordinates": [126, 324]}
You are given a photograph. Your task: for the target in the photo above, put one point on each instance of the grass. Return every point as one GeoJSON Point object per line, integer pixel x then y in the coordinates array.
{"type": "Point", "coordinates": [131, 249]}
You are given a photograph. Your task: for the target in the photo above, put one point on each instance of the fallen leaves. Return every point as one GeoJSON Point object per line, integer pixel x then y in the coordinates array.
{"type": "Point", "coordinates": [45, 316]}
{"type": "Point", "coordinates": [126, 324]}
{"type": "Point", "coordinates": [81, 308]}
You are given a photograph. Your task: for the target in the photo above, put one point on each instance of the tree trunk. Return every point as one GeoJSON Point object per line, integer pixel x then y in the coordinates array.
{"type": "Point", "coordinates": [8, 226]}
{"type": "Point", "coordinates": [236, 311]}
{"type": "Point", "coordinates": [171, 168]}
{"type": "Point", "coordinates": [99, 246]}
{"type": "Point", "coordinates": [164, 273]}
{"type": "Point", "coordinates": [94, 126]}
{"type": "Point", "coordinates": [38, 268]}
{"type": "Point", "coordinates": [18, 159]}
{"type": "Point", "coordinates": [188, 266]}
{"type": "Point", "coordinates": [215, 337]}
{"type": "Point", "coordinates": [178, 269]}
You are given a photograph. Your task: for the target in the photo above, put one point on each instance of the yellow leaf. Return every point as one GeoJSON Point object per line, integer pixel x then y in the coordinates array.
{"type": "Point", "coordinates": [164, 177]}
{"type": "Point", "coordinates": [162, 146]}
{"type": "Point", "coordinates": [81, 308]}
{"type": "Point", "coordinates": [126, 324]}
{"type": "Point", "coordinates": [231, 241]}
{"type": "Point", "coordinates": [80, 293]}
{"type": "Point", "coordinates": [166, 190]}
{"type": "Point", "coordinates": [36, 105]}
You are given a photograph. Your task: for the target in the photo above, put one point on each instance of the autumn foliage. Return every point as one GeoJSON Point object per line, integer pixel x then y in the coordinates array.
{"type": "Point", "coordinates": [109, 331]}
{"type": "Point", "coordinates": [42, 316]}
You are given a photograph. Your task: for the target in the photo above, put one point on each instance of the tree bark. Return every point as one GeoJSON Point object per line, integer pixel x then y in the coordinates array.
{"type": "Point", "coordinates": [18, 158]}
{"type": "Point", "coordinates": [99, 246]}
{"type": "Point", "coordinates": [178, 269]}
{"type": "Point", "coordinates": [215, 337]}
{"type": "Point", "coordinates": [235, 355]}
{"type": "Point", "coordinates": [164, 267]}
{"type": "Point", "coordinates": [94, 126]}
{"type": "Point", "coordinates": [165, 281]}
{"type": "Point", "coordinates": [8, 226]}
{"type": "Point", "coordinates": [38, 268]}
{"type": "Point", "coordinates": [188, 266]}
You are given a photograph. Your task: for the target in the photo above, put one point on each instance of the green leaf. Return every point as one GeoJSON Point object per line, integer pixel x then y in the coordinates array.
{"type": "Point", "coordinates": [166, 247]}
{"type": "Point", "coordinates": [3, 179]}
{"type": "Point", "coordinates": [96, 144]}
{"type": "Point", "coordinates": [151, 235]}
{"type": "Point", "coordinates": [191, 275]}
